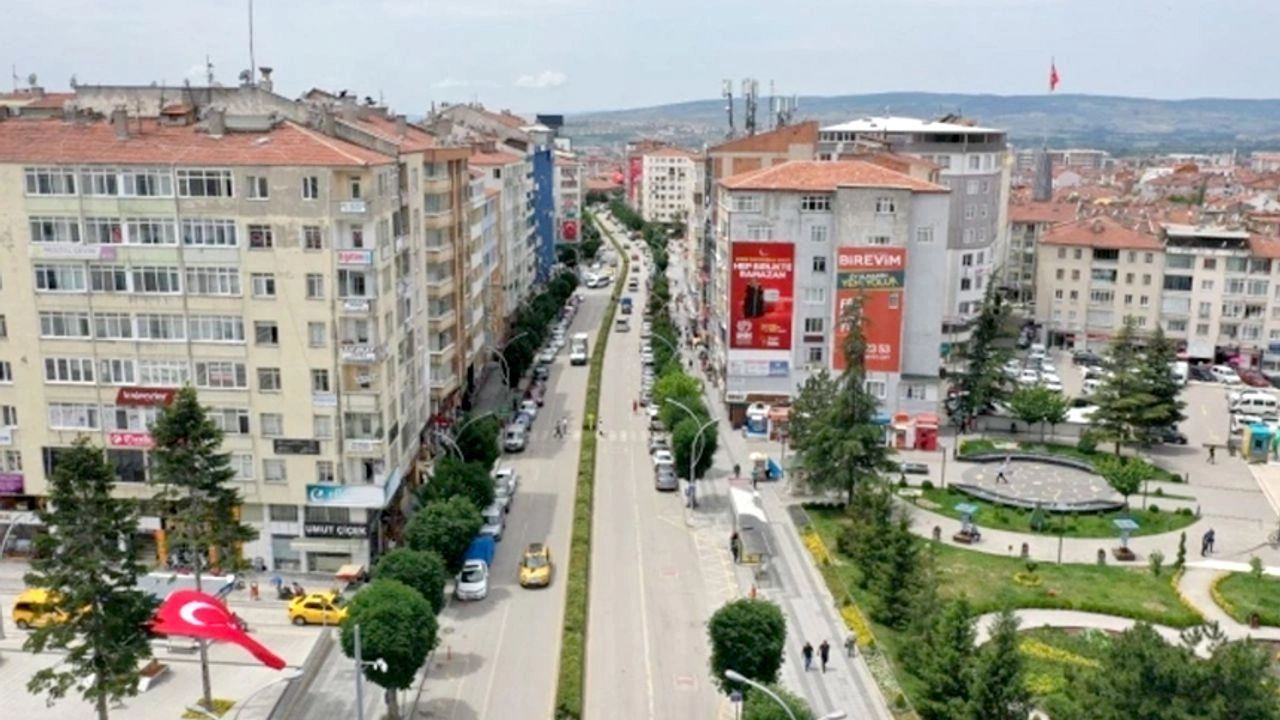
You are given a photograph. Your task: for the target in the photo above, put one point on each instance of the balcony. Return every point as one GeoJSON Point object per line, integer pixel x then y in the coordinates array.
{"type": "Point", "coordinates": [358, 306]}
{"type": "Point", "coordinates": [436, 348]}
{"type": "Point", "coordinates": [353, 207]}
{"type": "Point", "coordinates": [441, 253]}
{"type": "Point", "coordinates": [441, 320]}
{"type": "Point", "coordinates": [361, 353]}
{"type": "Point", "coordinates": [435, 184]}
{"type": "Point", "coordinates": [362, 446]}
{"type": "Point", "coordinates": [443, 381]}
{"type": "Point", "coordinates": [440, 284]}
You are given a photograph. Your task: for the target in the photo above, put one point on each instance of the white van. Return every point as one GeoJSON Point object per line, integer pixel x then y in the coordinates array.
{"type": "Point", "coordinates": [1255, 403]}
{"type": "Point", "coordinates": [495, 521]}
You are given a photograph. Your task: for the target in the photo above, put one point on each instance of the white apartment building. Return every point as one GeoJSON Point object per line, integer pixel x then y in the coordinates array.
{"type": "Point", "coordinates": [511, 176]}
{"type": "Point", "coordinates": [569, 192]}
{"type": "Point", "coordinates": [282, 269]}
{"type": "Point", "coordinates": [670, 185]}
{"type": "Point", "coordinates": [1028, 223]}
{"type": "Point", "coordinates": [818, 225]}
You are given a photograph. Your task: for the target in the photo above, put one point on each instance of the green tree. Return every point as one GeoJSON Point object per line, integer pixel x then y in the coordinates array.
{"type": "Point", "coordinates": [945, 666]}
{"type": "Point", "coordinates": [746, 636]}
{"type": "Point", "coordinates": [686, 444]}
{"type": "Point", "coordinates": [678, 388]}
{"type": "Point", "coordinates": [478, 440]}
{"type": "Point", "coordinates": [759, 706]}
{"type": "Point", "coordinates": [1124, 396]}
{"type": "Point", "coordinates": [840, 441]}
{"type": "Point", "coordinates": [454, 477]}
{"type": "Point", "coordinates": [1037, 404]}
{"type": "Point", "coordinates": [445, 527]}
{"type": "Point", "coordinates": [871, 512]}
{"type": "Point", "coordinates": [896, 575]}
{"type": "Point", "coordinates": [983, 380]}
{"type": "Point", "coordinates": [1156, 372]}
{"type": "Point", "coordinates": [88, 563]}
{"type": "Point", "coordinates": [1238, 682]}
{"type": "Point", "coordinates": [1124, 475]}
{"type": "Point", "coordinates": [397, 633]}
{"type": "Point", "coordinates": [194, 479]}
{"type": "Point", "coordinates": [1142, 676]}
{"type": "Point", "coordinates": [999, 689]}
{"type": "Point", "coordinates": [422, 571]}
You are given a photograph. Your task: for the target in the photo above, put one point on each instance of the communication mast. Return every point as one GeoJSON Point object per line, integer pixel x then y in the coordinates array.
{"type": "Point", "coordinates": [750, 93]}
{"type": "Point", "coordinates": [727, 93]}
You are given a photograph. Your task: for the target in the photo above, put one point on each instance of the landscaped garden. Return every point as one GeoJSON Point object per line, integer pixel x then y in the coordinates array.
{"type": "Point", "coordinates": [1084, 452]}
{"type": "Point", "coordinates": [1243, 594]}
{"type": "Point", "coordinates": [1153, 520]}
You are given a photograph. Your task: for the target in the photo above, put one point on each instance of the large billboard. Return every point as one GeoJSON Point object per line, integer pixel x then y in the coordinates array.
{"type": "Point", "coordinates": [633, 180]}
{"type": "Point", "coordinates": [761, 295]}
{"type": "Point", "coordinates": [878, 276]}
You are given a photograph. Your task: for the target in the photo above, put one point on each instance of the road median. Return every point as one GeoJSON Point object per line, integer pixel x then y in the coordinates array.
{"type": "Point", "coordinates": [571, 676]}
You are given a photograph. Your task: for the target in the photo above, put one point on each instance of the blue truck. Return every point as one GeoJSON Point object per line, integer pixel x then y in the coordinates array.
{"type": "Point", "coordinates": [473, 582]}
{"type": "Point", "coordinates": [626, 305]}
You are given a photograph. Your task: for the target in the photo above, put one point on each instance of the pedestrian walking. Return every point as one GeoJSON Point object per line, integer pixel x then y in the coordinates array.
{"type": "Point", "coordinates": [253, 590]}
{"type": "Point", "coordinates": [851, 645]}
{"type": "Point", "coordinates": [635, 406]}
{"type": "Point", "coordinates": [1002, 475]}
{"type": "Point", "coordinates": [807, 652]}
{"type": "Point", "coordinates": [1204, 545]}
{"type": "Point", "coordinates": [1211, 459]}
{"type": "Point", "coordinates": [735, 547]}
{"type": "Point", "coordinates": [824, 652]}
{"type": "Point", "coordinates": [1210, 537]}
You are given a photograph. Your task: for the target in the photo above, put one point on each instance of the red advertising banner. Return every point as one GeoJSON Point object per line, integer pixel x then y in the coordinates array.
{"type": "Point", "coordinates": [878, 276]}
{"type": "Point", "coordinates": [144, 397]}
{"type": "Point", "coordinates": [130, 440]}
{"type": "Point", "coordinates": [761, 295]}
{"type": "Point", "coordinates": [569, 230]}
{"type": "Point", "coordinates": [633, 183]}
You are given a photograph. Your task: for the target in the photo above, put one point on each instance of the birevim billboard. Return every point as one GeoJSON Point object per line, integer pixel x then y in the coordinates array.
{"type": "Point", "coordinates": [761, 295]}
{"type": "Point", "coordinates": [878, 276]}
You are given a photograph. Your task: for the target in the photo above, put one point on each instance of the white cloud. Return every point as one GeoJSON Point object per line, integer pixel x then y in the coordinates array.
{"type": "Point", "coordinates": [544, 79]}
{"type": "Point", "coordinates": [452, 83]}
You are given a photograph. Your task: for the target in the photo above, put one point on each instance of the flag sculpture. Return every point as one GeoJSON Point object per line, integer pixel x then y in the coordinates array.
{"type": "Point", "coordinates": [194, 614]}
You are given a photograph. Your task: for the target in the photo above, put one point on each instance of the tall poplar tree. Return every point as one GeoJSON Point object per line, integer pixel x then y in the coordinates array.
{"type": "Point", "coordinates": [88, 563]}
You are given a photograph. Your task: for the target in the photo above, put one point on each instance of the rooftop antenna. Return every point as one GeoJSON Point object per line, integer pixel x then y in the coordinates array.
{"type": "Point", "coordinates": [727, 93]}
{"type": "Point", "coordinates": [774, 108]}
{"type": "Point", "coordinates": [750, 91]}
{"type": "Point", "coordinates": [208, 70]}
{"type": "Point", "coordinates": [253, 65]}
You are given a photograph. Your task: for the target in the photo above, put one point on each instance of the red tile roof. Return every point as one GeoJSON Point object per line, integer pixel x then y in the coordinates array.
{"type": "Point", "coordinates": [1041, 212]}
{"type": "Point", "coordinates": [55, 141]}
{"type": "Point", "coordinates": [1264, 247]}
{"type": "Point", "coordinates": [1100, 232]}
{"type": "Point", "coordinates": [826, 176]}
{"type": "Point", "coordinates": [774, 141]}
{"type": "Point", "coordinates": [496, 158]}
{"type": "Point", "coordinates": [415, 138]}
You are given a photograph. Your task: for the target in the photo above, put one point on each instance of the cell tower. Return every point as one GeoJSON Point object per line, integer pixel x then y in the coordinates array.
{"type": "Point", "coordinates": [750, 93]}
{"type": "Point", "coordinates": [727, 93]}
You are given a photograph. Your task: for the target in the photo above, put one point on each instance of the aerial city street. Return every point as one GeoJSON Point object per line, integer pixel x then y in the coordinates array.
{"type": "Point", "coordinates": [338, 386]}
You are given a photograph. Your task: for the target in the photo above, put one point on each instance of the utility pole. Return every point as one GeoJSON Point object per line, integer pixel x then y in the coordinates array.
{"type": "Point", "coordinates": [253, 65]}
{"type": "Point", "coordinates": [359, 674]}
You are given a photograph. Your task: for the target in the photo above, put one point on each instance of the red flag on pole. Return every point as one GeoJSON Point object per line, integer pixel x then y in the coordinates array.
{"type": "Point", "coordinates": [193, 614]}
{"type": "Point", "coordinates": [1053, 76]}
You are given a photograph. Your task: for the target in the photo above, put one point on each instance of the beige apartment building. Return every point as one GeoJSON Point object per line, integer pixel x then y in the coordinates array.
{"type": "Point", "coordinates": [312, 271]}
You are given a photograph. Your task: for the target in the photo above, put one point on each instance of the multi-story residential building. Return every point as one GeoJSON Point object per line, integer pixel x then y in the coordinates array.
{"type": "Point", "coordinates": [568, 196]}
{"type": "Point", "coordinates": [802, 239]}
{"type": "Point", "coordinates": [510, 175]}
{"type": "Point", "coordinates": [671, 191]}
{"type": "Point", "coordinates": [1086, 159]}
{"type": "Point", "coordinates": [975, 164]}
{"type": "Point", "coordinates": [1028, 222]}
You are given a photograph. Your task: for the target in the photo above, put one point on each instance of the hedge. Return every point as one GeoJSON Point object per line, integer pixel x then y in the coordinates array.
{"type": "Point", "coordinates": [570, 684]}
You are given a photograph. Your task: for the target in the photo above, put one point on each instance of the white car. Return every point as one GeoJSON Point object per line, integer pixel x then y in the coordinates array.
{"type": "Point", "coordinates": [1225, 374]}
{"type": "Point", "coordinates": [505, 484]}
{"type": "Point", "coordinates": [546, 357]}
{"type": "Point", "coordinates": [1028, 377]}
{"type": "Point", "coordinates": [1051, 382]}
{"type": "Point", "coordinates": [1081, 415]}
{"type": "Point", "coordinates": [647, 358]}
{"type": "Point", "coordinates": [530, 408]}
{"type": "Point", "coordinates": [663, 456]}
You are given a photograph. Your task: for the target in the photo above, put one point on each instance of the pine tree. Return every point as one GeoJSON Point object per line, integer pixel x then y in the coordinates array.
{"type": "Point", "coordinates": [194, 476]}
{"type": "Point", "coordinates": [88, 563]}
{"type": "Point", "coordinates": [1156, 372]}
{"type": "Point", "coordinates": [982, 381]}
{"type": "Point", "coordinates": [946, 661]}
{"type": "Point", "coordinates": [1124, 396]}
{"type": "Point", "coordinates": [897, 574]}
{"type": "Point", "coordinates": [998, 691]}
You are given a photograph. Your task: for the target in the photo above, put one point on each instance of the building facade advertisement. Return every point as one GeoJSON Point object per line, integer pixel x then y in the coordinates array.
{"type": "Point", "coordinates": [6, 436]}
{"type": "Point", "coordinates": [11, 484]}
{"type": "Point", "coordinates": [355, 257]}
{"type": "Point", "coordinates": [334, 530]}
{"type": "Point", "coordinates": [761, 295]}
{"type": "Point", "coordinates": [633, 181]}
{"type": "Point", "coordinates": [759, 368]}
{"type": "Point", "coordinates": [877, 275]}
{"type": "Point", "coordinates": [75, 251]}
{"type": "Point", "coordinates": [144, 397]}
{"type": "Point", "coordinates": [140, 440]}
{"type": "Point", "coordinates": [353, 496]}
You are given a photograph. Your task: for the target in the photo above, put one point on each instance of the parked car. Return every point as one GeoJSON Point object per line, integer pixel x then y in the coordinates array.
{"type": "Point", "coordinates": [1171, 435]}
{"type": "Point", "coordinates": [1200, 373]}
{"type": "Point", "coordinates": [664, 478]}
{"type": "Point", "coordinates": [1254, 378]}
{"type": "Point", "coordinates": [514, 439]}
{"type": "Point", "coordinates": [1225, 374]}
{"type": "Point", "coordinates": [323, 608]}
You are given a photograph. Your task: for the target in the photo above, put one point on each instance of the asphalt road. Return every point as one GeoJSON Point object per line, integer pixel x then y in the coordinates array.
{"type": "Point", "coordinates": [497, 656]}
{"type": "Point", "coordinates": [646, 642]}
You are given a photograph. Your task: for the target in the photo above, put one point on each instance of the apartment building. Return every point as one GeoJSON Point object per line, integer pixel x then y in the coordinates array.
{"type": "Point", "coordinates": [482, 267]}
{"type": "Point", "coordinates": [1082, 158]}
{"type": "Point", "coordinates": [511, 176]}
{"type": "Point", "coordinates": [975, 164]}
{"type": "Point", "coordinates": [1028, 223]}
{"type": "Point", "coordinates": [671, 189]}
{"type": "Point", "coordinates": [569, 184]}
{"type": "Point", "coordinates": [803, 238]}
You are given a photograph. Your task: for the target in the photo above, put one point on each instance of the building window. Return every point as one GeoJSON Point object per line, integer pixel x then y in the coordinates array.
{"type": "Point", "coordinates": [50, 181]}
{"type": "Point", "coordinates": [205, 183]}
{"type": "Point", "coordinates": [273, 471]}
{"type": "Point", "coordinates": [156, 326]}
{"type": "Point", "coordinates": [258, 188]}
{"type": "Point", "coordinates": [144, 231]}
{"type": "Point", "coordinates": [970, 212]}
{"type": "Point", "coordinates": [320, 380]}
{"type": "Point", "coordinates": [147, 183]}
{"type": "Point", "coordinates": [6, 372]}
{"type": "Point", "coordinates": [4, 327]}
{"type": "Point", "coordinates": [310, 187]}
{"type": "Point", "coordinates": [970, 188]}
{"type": "Point", "coordinates": [8, 416]}
{"type": "Point", "coordinates": [759, 231]}
{"type": "Point", "coordinates": [60, 278]}
{"type": "Point", "coordinates": [269, 379]}
{"type": "Point", "coordinates": [815, 295]}
{"type": "Point", "coordinates": [55, 230]}
{"type": "Point", "coordinates": [209, 233]}
{"type": "Point", "coordinates": [924, 235]}
{"type": "Point", "coordinates": [312, 239]}
{"type": "Point", "coordinates": [68, 370]}
{"type": "Point", "coordinates": [266, 332]}
{"type": "Point", "coordinates": [66, 324]}
{"type": "Point", "coordinates": [316, 334]}
{"type": "Point", "coordinates": [819, 233]}
{"type": "Point", "coordinates": [975, 162]}
{"type": "Point", "coordinates": [746, 203]}
{"type": "Point", "coordinates": [103, 231]}
{"type": "Point", "coordinates": [815, 203]}
{"type": "Point", "coordinates": [216, 328]}
{"type": "Point", "coordinates": [221, 375]}
{"type": "Point", "coordinates": [322, 427]}
{"type": "Point", "coordinates": [315, 286]}
{"type": "Point", "coordinates": [879, 240]}
{"type": "Point", "coordinates": [231, 421]}
{"type": "Point", "coordinates": [282, 513]}
{"type": "Point", "coordinates": [875, 388]}
{"type": "Point", "coordinates": [355, 188]}
{"type": "Point", "coordinates": [108, 278]}
{"type": "Point", "coordinates": [260, 237]}
{"type": "Point", "coordinates": [112, 326]}
{"type": "Point", "coordinates": [100, 182]}
{"type": "Point", "coordinates": [886, 206]}
{"type": "Point", "coordinates": [819, 263]}
{"type": "Point", "coordinates": [985, 187]}
{"type": "Point", "coordinates": [74, 416]}
{"type": "Point", "coordinates": [213, 280]}
{"type": "Point", "coordinates": [271, 424]}
{"type": "Point", "coordinates": [965, 283]}
{"type": "Point", "coordinates": [264, 285]}
{"type": "Point", "coordinates": [116, 371]}
{"type": "Point", "coordinates": [814, 326]}
{"type": "Point", "coordinates": [157, 280]}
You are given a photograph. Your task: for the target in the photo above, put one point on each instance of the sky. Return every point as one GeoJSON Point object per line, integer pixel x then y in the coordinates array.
{"type": "Point", "coordinates": [580, 55]}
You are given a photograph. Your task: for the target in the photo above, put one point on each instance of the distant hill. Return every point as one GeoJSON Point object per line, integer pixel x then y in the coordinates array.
{"type": "Point", "coordinates": [1119, 124]}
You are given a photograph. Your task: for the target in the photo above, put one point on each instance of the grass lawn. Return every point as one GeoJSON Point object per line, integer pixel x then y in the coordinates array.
{"type": "Point", "coordinates": [990, 584]}
{"type": "Point", "coordinates": [976, 447]}
{"type": "Point", "coordinates": [1242, 594]}
{"type": "Point", "coordinates": [1097, 525]}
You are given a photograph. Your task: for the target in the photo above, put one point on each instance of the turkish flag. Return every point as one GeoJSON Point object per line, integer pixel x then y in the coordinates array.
{"type": "Point", "coordinates": [194, 614]}
{"type": "Point", "coordinates": [1053, 76]}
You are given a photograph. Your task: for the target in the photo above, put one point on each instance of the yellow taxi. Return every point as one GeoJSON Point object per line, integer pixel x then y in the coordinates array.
{"type": "Point", "coordinates": [34, 608]}
{"type": "Point", "coordinates": [535, 566]}
{"type": "Point", "coordinates": [322, 608]}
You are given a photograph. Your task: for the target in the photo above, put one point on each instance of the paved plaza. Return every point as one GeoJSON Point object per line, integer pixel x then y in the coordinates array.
{"type": "Point", "coordinates": [1040, 483]}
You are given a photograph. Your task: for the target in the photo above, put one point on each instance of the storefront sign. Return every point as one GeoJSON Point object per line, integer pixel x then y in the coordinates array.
{"type": "Point", "coordinates": [71, 251]}
{"type": "Point", "coordinates": [129, 440]}
{"type": "Point", "coordinates": [324, 400]}
{"type": "Point", "coordinates": [761, 295]}
{"type": "Point", "coordinates": [144, 397]}
{"type": "Point", "coordinates": [334, 530]}
{"type": "Point", "coordinates": [355, 257]}
{"type": "Point", "coordinates": [360, 353]}
{"type": "Point", "coordinates": [363, 446]}
{"type": "Point", "coordinates": [11, 484]}
{"type": "Point", "coordinates": [876, 277]}
{"type": "Point", "coordinates": [292, 446]}
{"type": "Point", "coordinates": [354, 496]}
{"type": "Point", "coordinates": [759, 368]}
{"type": "Point", "coordinates": [355, 306]}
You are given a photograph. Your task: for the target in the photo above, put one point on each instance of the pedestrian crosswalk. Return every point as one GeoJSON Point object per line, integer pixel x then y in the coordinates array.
{"type": "Point", "coordinates": [548, 434]}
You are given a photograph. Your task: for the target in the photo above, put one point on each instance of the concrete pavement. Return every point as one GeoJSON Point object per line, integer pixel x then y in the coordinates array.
{"type": "Point", "coordinates": [496, 656]}
{"type": "Point", "coordinates": [653, 585]}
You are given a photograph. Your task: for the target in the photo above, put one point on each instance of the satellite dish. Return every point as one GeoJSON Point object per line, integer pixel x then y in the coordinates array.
{"type": "Point", "coordinates": [245, 76]}
{"type": "Point", "coordinates": [31, 80]}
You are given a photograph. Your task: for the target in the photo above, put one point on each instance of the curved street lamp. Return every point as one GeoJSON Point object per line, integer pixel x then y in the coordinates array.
{"type": "Point", "coordinates": [695, 453]}
{"type": "Point", "coordinates": [739, 677]}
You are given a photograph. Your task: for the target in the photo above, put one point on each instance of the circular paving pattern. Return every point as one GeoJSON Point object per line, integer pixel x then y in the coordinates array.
{"type": "Point", "coordinates": [1053, 487]}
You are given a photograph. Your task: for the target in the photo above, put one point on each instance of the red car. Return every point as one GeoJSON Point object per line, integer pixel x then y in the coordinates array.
{"type": "Point", "coordinates": [1253, 378]}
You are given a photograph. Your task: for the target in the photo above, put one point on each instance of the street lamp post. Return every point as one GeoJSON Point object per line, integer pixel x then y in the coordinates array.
{"type": "Point", "coordinates": [695, 452]}
{"type": "Point", "coordinates": [448, 442]}
{"type": "Point", "coordinates": [739, 677]}
{"type": "Point", "coordinates": [361, 664]}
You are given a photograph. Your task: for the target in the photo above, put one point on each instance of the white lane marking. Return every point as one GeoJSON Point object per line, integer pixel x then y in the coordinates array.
{"type": "Point", "coordinates": [644, 605]}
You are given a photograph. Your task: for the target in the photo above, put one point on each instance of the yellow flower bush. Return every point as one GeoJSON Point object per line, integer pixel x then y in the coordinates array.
{"type": "Point", "coordinates": [1045, 651]}
{"type": "Point", "coordinates": [854, 620]}
{"type": "Point", "coordinates": [817, 548]}
{"type": "Point", "coordinates": [1042, 684]}
{"type": "Point", "coordinates": [1182, 598]}
{"type": "Point", "coordinates": [1215, 591]}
